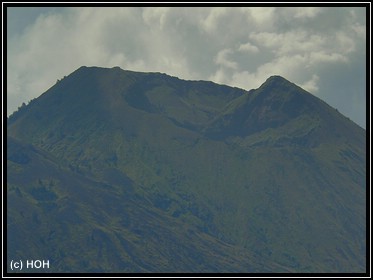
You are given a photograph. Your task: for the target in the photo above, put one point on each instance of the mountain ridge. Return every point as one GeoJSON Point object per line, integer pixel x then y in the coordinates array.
{"type": "Point", "coordinates": [272, 173]}
{"type": "Point", "coordinates": [275, 80]}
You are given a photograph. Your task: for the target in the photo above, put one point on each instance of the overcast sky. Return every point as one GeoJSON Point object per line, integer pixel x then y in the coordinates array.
{"type": "Point", "coordinates": [322, 50]}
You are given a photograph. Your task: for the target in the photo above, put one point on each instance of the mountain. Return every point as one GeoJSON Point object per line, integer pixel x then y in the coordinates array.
{"type": "Point", "coordinates": [144, 172]}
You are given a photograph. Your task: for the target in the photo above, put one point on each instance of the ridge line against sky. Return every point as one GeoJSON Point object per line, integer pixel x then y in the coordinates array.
{"type": "Point", "coordinates": [321, 49]}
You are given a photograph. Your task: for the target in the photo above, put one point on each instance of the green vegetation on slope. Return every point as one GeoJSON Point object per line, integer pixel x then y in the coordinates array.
{"type": "Point", "coordinates": [165, 175]}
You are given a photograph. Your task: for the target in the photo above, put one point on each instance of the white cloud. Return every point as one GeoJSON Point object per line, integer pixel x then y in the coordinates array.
{"type": "Point", "coordinates": [232, 45]}
{"type": "Point", "coordinates": [324, 57]}
{"type": "Point", "coordinates": [306, 12]}
{"type": "Point", "coordinates": [359, 30]}
{"type": "Point", "coordinates": [155, 16]}
{"type": "Point", "coordinates": [289, 42]}
{"type": "Point", "coordinates": [312, 85]}
{"type": "Point", "coordinates": [290, 67]}
{"type": "Point", "coordinates": [248, 47]}
{"type": "Point", "coordinates": [345, 42]}
{"type": "Point", "coordinates": [220, 76]}
{"type": "Point", "coordinates": [211, 22]}
{"type": "Point", "coordinates": [223, 60]}
{"type": "Point", "coordinates": [262, 17]}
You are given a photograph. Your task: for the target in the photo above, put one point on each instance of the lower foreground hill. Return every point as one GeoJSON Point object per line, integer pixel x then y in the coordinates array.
{"type": "Point", "coordinates": [119, 171]}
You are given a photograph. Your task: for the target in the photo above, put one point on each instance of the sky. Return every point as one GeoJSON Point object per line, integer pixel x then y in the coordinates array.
{"type": "Point", "coordinates": [321, 49]}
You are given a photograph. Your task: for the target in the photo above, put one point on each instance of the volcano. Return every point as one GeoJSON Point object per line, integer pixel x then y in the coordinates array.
{"type": "Point", "coordinates": [118, 171]}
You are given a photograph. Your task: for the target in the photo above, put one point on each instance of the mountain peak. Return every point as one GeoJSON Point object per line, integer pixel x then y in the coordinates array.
{"type": "Point", "coordinates": [278, 82]}
{"type": "Point", "coordinates": [270, 180]}
{"type": "Point", "coordinates": [274, 104]}
{"type": "Point", "coordinates": [276, 78]}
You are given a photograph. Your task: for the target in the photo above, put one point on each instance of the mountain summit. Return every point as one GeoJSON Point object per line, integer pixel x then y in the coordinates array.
{"type": "Point", "coordinates": [144, 172]}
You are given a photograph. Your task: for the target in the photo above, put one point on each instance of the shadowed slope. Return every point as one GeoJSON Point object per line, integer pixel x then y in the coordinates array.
{"type": "Point", "coordinates": [212, 178]}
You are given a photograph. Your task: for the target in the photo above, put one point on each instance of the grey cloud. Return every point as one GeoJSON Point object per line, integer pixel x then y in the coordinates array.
{"type": "Point", "coordinates": [237, 46]}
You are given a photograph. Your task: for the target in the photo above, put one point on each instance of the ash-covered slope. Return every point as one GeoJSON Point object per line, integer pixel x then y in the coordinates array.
{"type": "Point", "coordinates": [202, 177]}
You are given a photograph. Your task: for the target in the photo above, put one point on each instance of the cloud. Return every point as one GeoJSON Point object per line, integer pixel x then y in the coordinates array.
{"type": "Point", "coordinates": [325, 57]}
{"type": "Point", "coordinates": [248, 47]}
{"type": "Point", "coordinates": [286, 66]}
{"type": "Point", "coordinates": [223, 60]}
{"type": "Point", "coordinates": [294, 41]}
{"type": "Point", "coordinates": [306, 12]}
{"type": "Point", "coordinates": [220, 76]}
{"type": "Point", "coordinates": [262, 17]}
{"type": "Point", "coordinates": [311, 85]}
{"type": "Point", "coordinates": [239, 46]}
{"type": "Point", "coordinates": [155, 16]}
{"type": "Point", "coordinates": [210, 23]}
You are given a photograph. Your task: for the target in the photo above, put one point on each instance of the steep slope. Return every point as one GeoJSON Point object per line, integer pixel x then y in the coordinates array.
{"type": "Point", "coordinates": [271, 178]}
{"type": "Point", "coordinates": [85, 225]}
{"type": "Point", "coordinates": [277, 103]}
